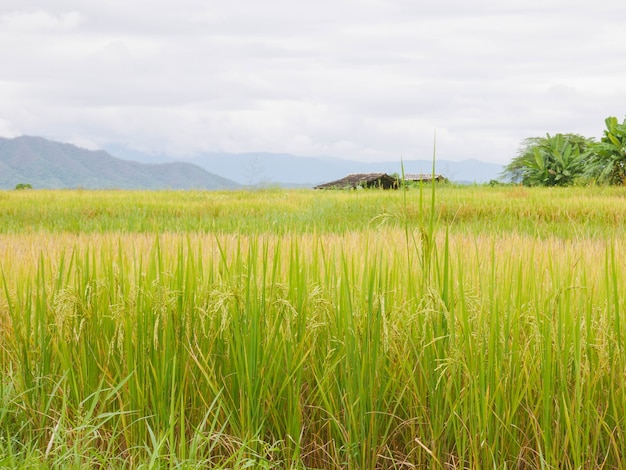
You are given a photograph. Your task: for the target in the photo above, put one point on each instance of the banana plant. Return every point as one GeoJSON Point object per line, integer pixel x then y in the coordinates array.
{"type": "Point", "coordinates": [550, 161]}
{"type": "Point", "coordinates": [609, 159]}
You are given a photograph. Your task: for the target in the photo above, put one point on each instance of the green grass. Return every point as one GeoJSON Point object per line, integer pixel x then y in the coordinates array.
{"type": "Point", "coordinates": [313, 330]}
{"type": "Point", "coordinates": [540, 212]}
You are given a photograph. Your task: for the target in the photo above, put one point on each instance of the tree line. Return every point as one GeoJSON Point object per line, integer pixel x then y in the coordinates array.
{"type": "Point", "coordinates": [567, 159]}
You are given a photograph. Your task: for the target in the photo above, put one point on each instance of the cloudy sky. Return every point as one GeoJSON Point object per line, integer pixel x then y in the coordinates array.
{"type": "Point", "coordinates": [361, 79]}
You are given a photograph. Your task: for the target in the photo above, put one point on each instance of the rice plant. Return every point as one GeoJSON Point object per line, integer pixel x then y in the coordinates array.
{"type": "Point", "coordinates": [422, 340]}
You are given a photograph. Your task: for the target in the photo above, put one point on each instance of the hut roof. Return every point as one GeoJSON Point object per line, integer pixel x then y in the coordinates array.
{"type": "Point", "coordinates": [422, 177]}
{"type": "Point", "coordinates": [355, 180]}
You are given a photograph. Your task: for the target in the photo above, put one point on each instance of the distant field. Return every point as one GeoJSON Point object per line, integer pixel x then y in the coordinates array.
{"type": "Point", "coordinates": [543, 212]}
{"type": "Point", "coordinates": [471, 327]}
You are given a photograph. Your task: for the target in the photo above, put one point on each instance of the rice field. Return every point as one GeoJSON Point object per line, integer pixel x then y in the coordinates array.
{"type": "Point", "coordinates": [456, 327]}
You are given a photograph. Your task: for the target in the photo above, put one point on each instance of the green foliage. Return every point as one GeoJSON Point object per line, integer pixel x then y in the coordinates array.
{"type": "Point", "coordinates": [496, 183]}
{"type": "Point", "coordinates": [21, 186]}
{"type": "Point", "coordinates": [557, 160]}
{"type": "Point", "coordinates": [609, 162]}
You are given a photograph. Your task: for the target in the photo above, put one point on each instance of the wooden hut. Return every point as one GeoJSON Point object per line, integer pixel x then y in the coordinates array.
{"type": "Point", "coordinates": [362, 180]}
{"type": "Point", "coordinates": [423, 177]}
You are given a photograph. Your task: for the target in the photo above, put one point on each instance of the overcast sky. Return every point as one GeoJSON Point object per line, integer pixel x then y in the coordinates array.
{"type": "Point", "coordinates": [361, 79]}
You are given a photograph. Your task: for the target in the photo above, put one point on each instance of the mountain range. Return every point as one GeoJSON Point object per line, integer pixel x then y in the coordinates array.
{"type": "Point", "coordinates": [259, 169]}
{"type": "Point", "coordinates": [44, 163]}
{"type": "Point", "coordinates": [47, 164]}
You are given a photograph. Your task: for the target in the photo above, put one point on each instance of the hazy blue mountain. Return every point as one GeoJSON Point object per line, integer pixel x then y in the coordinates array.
{"type": "Point", "coordinates": [289, 170]}
{"type": "Point", "coordinates": [125, 153]}
{"type": "Point", "coordinates": [47, 164]}
{"type": "Point", "coordinates": [255, 168]}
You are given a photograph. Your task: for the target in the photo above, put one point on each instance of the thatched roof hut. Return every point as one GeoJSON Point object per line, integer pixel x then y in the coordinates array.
{"type": "Point", "coordinates": [423, 177]}
{"type": "Point", "coordinates": [362, 180]}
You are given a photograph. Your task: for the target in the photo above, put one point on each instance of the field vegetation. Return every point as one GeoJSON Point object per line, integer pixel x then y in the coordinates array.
{"type": "Point", "coordinates": [456, 327]}
{"type": "Point", "coordinates": [571, 159]}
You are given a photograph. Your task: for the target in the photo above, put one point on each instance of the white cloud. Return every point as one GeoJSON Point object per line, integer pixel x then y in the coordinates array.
{"type": "Point", "coordinates": [6, 129]}
{"type": "Point", "coordinates": [28, 22]}
{"type": "Point", "coordinates": [349, 78]}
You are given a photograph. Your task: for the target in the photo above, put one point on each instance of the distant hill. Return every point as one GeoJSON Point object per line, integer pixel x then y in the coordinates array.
{"type": "Point", "coordinates": [293, 171]}
{"type": "Point", "coordinates": [47, 164]}
{"type": "Point", "coordinates": [286, 169]}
